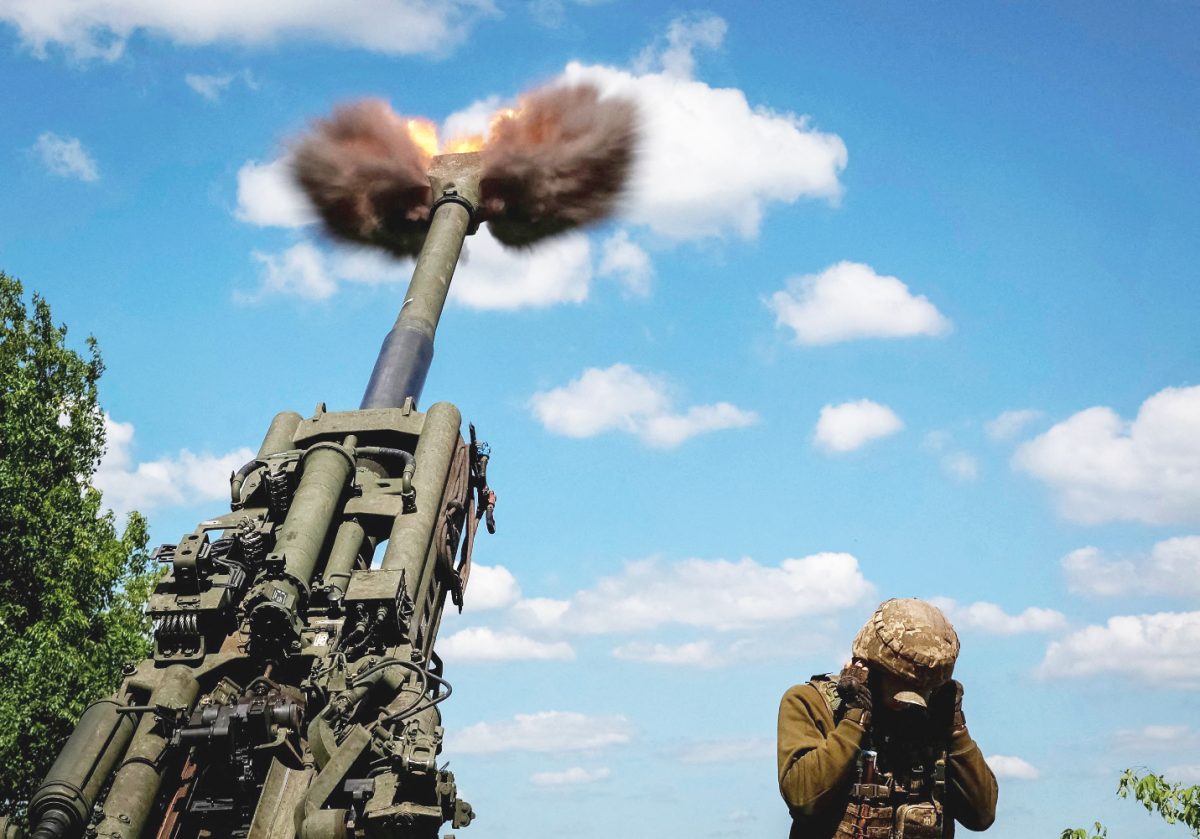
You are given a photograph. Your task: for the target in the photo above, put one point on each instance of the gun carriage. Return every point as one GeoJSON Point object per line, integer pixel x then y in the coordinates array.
{"type": "Point", "coordinates": [294, 684]}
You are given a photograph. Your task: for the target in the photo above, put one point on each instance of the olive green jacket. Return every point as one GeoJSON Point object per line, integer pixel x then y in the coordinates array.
{"type": "Point", "coordinates": [817, 762]}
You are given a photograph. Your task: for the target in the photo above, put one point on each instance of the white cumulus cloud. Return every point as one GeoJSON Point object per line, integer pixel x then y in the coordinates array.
{"type": "Point", "coordinates": [1007, 766]}
{"type": "Point", "coordinates": [628, 263]}
{"type": "Point", "coordinates": [849, 300]}
{"type": "Point", "coordinates": [473, 120]}
{"type": "Point", "coordinates": [268, 197]}
{"type": "Point", "coordinates": [573, 777]}
{"type": "Point", "coordinates": [174, 480]}
{"type": "Point", "coordinates": [1007, 425]}
{"type": "Point", "coordinates": [769, 643]}
{"type": "Point", "coordinates": [299, 271]}
{"type": "Point", "coordinates": [675, 53]}
{"type": "Point", "coordinates": [490, 587]}
{"type": "Point", "coordinates": [711, 163]}
{"type": "Point", "coordinates": [485, 644]}
{"type": "Point", "coordinates": [1161, 648]}
{"type": "Point", "coordinates": [491, 276]}
{"type": "Point", "coordinates": [212, 85]}
{"type": "Point", "coordinates": [733, 750]}
{"type": "Point", "coordinates": [619, 398]}
{"type": "Point", "coordinates": [209, 86]}
{"type": "Point", "coordinates": [716, 594]}
{"type": "Point", "coordinates": [1158, 738]}
{"type": "Point", "coordinates": [1184, 773]}
{"type": "Point", "coordinates": [690, 654]}
{"type": "Point", "coordinates": [1101, 467]}
{"type": "Point", "coordinates": [1172, 568]}
{"type": "Point", "coordinates": [66, 157]}
{"type": "Point", "coordinates": [851, 425]}
{"type": "Point", "coordinates": [545, 732]}
{"type": "Point", "coordinates": [367, 266]}
{"type": "Point", "coordinates": [101, 28]}
{"type": "Point", "coordinates": [990, 618]}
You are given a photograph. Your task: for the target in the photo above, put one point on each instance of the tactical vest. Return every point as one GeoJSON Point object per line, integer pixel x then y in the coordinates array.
{"type": "Point", "coordinates": [906, 799]}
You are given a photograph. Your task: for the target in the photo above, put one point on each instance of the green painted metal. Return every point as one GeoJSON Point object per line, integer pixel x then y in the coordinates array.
{"type": "Point", "coordinates": [347, 547]}
{"type": "Point", "coordinates": [407, 350]}
{"type": "Point", "coordinates": [137, 780]}
{"type": "Point", "coordinates": [283, 589]}
{"type": "Point", "coordinates": [340, 764]}
{"type": "Point", "coordinates": [294, 691]}
{"type": "Point", "coordinates": [327, 471]}
{"type": "Point", "coordinates": [282, 791]}
{"type": "Point", "coordinates": [64, 800]}
{"type": "Point", "coordinates": [279, 435]}
{"type": "Point", "coordinates": [435, 268]}
{"type": "Point", "coordinates": [410, 536]}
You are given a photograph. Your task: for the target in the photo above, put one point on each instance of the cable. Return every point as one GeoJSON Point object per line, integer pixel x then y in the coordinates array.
{"type": "Point", "coordinates": [417, 706]}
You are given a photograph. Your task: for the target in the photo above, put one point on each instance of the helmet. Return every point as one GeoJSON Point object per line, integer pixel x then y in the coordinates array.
{"type": "Point", "coordinates": [910, 639]}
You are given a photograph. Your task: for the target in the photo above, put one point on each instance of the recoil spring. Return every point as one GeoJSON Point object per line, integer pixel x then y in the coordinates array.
{"type": "Point", "coordinates": [177, 625]}
{"type": "Point", "coordinates": [253, 542]}
{"type": "Point", "coordinates": [279, 494]}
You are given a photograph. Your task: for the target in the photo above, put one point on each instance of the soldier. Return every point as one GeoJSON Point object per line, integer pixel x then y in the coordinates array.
{"type": "Point", "coordinates": [882, 751]}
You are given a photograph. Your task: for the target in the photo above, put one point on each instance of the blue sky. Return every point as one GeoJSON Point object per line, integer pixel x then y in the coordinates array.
{"type": "Point", "coordinates": [899, 305]}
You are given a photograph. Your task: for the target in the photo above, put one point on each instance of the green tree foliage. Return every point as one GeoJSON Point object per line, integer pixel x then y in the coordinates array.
{"type": "Point", "coordinates": [1176, 803]}
{"type": "Point", "coordinates": [71, 588]}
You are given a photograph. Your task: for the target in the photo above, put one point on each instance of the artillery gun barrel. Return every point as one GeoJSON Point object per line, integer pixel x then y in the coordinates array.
{"type": "Point", "coordinates": [407, 350]}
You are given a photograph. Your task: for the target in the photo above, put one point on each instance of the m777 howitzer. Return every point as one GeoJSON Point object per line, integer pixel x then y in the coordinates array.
{"type": "Point", "coordinates": [294, 685]}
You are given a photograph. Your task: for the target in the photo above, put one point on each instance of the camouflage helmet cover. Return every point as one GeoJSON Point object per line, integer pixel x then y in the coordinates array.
{"type": "Point", "coordinates": [911, 639]}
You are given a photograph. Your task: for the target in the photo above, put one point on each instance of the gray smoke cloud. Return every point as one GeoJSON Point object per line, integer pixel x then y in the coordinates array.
{"type": "Point", "coordinates": [366, 177]}
{"type": "Point", "coordinates": [562, 161]}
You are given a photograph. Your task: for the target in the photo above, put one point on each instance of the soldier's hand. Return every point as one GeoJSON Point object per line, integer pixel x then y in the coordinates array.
{"type": "Point", "coordinates": [945, 707]}
{"type": "Point", "coordinates": [853, 690]}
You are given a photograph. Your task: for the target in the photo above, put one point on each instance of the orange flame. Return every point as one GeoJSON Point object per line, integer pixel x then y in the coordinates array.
{"type": "Point", "coordinates": [425, 134]}
{"type": "Point", "coordinates": [458, 145]}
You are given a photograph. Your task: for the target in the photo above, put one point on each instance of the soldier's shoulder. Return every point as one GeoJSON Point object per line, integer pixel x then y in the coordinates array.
{"type": "Point", "coordinates": [825, 684]}
{"type": "Point", "coordinates": [810, 705]}
{"type": "Point", "coordinates": [821, 689]}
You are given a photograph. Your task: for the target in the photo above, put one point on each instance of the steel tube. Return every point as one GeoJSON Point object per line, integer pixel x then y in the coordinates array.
{"type": "Point", "coordinates": [411, 533]}
{"type": "Point", "coordinates": [279, 435]}
{"type": "Point", "coordinates": [407, 350]}
{"type": "Point", "coordinates": [347, 547]}
{"type": "Point", "coordinates": [327, 471]}
{"type": "Point", "coordinates": [63, 803]}
{"type": "Point", "coordinates": [135, 786]}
